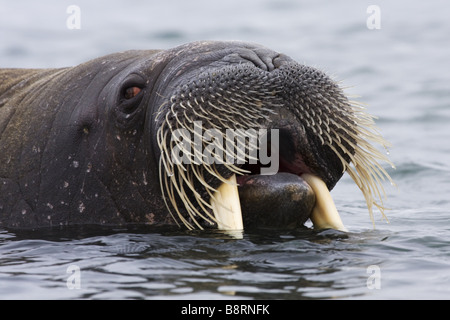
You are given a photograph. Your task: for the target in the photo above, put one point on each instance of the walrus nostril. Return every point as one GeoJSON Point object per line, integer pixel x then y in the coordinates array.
{"type": "Point", "coordinates": [261, 57]}
{"type": "Point", "coordinates": [266, 59]}
{"type": "Point", "coordinates": [280, 59]}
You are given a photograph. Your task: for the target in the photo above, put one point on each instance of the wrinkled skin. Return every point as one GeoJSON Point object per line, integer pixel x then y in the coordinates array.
{"type": "Point", "coordinates": [78, 145]}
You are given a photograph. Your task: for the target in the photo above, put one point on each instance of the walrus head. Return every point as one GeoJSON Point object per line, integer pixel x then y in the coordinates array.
{"type": "Point", "coordinates": [209, 134]}
{"type": "Point", "coordinates": [274, 104]}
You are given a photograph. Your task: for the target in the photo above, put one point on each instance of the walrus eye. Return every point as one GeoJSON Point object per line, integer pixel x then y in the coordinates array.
{"type": "Point", "coordinates": [129, 99]}
{"type": "Point", "coordinates": [131, 92]}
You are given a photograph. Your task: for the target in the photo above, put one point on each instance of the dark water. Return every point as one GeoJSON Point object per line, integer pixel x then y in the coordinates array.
{"type": "Point", "coordinates": [400, 71]}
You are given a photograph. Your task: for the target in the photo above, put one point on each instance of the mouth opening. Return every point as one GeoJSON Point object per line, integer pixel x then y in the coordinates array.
{"type": "Point", "coordinates": [288, 197]}
{"type": "Point", "coordinates": [288, 160]}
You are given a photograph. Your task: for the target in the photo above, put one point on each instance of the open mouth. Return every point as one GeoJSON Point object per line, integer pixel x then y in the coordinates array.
{"type": "Point", "coordinates": [288, 195]}
{"type": "Point", "coordinates": [295, 193]}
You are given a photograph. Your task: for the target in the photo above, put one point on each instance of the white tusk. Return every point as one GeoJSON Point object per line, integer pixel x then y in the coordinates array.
{"type": "Point", "coordinates": [325, 214]}
{"type": "Point", "coordinates": [227, 207]}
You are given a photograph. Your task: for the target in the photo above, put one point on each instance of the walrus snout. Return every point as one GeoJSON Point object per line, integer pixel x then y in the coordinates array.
{"type": "Point", "coordinates": [239, 87]}
{"type": "Point", "coordinates": [245, 90]}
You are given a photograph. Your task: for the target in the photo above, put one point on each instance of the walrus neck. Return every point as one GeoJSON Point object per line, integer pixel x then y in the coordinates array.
{"type": "Point", "coordinates": [12, 80]}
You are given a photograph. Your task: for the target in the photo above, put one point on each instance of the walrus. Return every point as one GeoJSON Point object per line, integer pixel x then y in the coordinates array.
{"type": "Point", "coordinates": [116, 141]}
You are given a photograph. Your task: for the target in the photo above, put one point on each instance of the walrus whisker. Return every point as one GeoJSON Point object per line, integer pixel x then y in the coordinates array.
{"type": "Point", "coordinates": [198, 155]}
{"type": "Point", "coordinates": [189, 206]}
{"type": "Point", "coordinates": [356, 130]}
{"type": "Point", "coordinates": [222, 110]}
{"type": "Point", "coordinates": [202, 110]}
{"type": "Point", "coordinates": [169, 171]}
{"type": "Point", "coordinates": [177, 119]}
{"type": "Point", "coordinates": [213, 171]}
{"type": "Point", "coordinates": [200, 116]}
{"type": "Point", "coordinates": [379, 172]}
{"type": "Point", "coordinates": [340, 157]}
{"type": "Point", "coordinates": [168, 122]}
{"type": "Point", "coordinates": [182, 197]}
{"type": "Point", "coordinates": [367, 194]}
{"type": "Point", "coordinates": [172, 106]}
{"type": "Point", "coordinates": [186, 117]}
{"type": "Point", "coordinates": [201, 201]}
{"type": "Point", "coordinates": [160, 110]}
{"type": "Point", "coordinates": [163, 189]}
{"type": "Point", "coordinates": [201, 178]}
{"type": "Point", "coordinates": [368, 171]}
{"type": "Point", "coordinates": [233, 168]}
{"type": "Point", "coordinates": [166, 187]}
{"type": "Point", "coordinates": [213, 125]}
